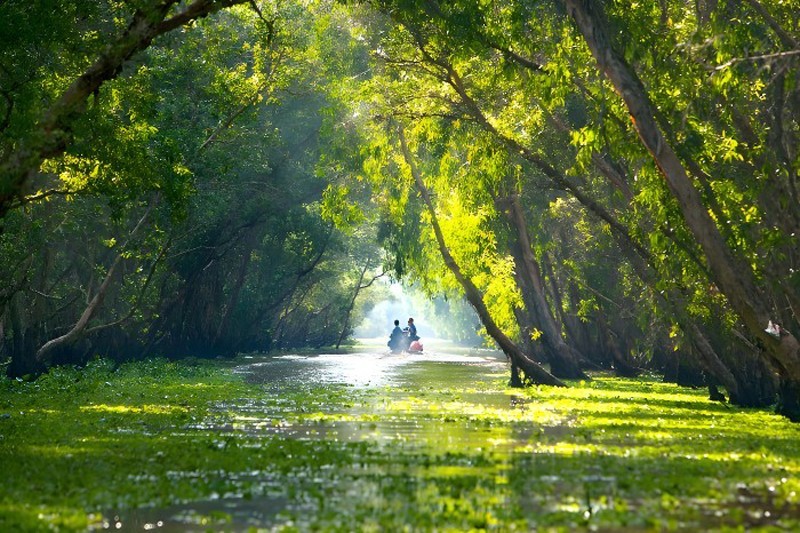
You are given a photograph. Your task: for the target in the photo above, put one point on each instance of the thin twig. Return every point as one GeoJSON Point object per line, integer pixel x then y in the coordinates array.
{"type": "Point", "coordinates": [765, 57]}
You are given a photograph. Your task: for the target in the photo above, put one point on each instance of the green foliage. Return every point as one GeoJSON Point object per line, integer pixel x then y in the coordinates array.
{"type": "Point", "coordinates": [337, 209]}
{"type": "Point", "coordinates": [258, 149]}
{"type": "Point", "coordinates": [538, 89]}
{"type": "Point", "coordinates": [447, 448]}
{"type": "Point", "coordinates": [42, 46]}
{"type": "Point", "coordinates": [227, 137]}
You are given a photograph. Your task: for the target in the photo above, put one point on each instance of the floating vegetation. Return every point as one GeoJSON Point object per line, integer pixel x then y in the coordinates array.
{"type": "Point", "coordinates": [434, 445]}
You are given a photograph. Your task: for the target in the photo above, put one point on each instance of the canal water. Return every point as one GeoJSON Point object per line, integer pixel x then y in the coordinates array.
{"type": "Point", "coordinates": [406, 423]}
{"type": "Point", "coordinates": [437, 441]}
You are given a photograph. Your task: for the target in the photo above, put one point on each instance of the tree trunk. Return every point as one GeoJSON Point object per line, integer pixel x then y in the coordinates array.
{"type": "Point", "coordinates": [532, 370]}
{"type": "Point", "coordinates": [352, 304]}
{"type": "Point", "coordinates": [713, 364]}
{"type": "Point", "coordinates": [788, 400]}
{"type": "Point", "coordinates": [236, 291]}
{"type": "Point", "coordinates": [733, 277]}
{"type": "Point", "coordinates": [623, 367]}
{"type": "Point", "coordinates": [785, 37]}
{"type": "Point", "coordinates": [22, 362]}
{"type": "Point", "coordinates": [564, 360]}
{"type": "Point", "coordinates": [96, 301]}
{"type": "Point", "coordinates": [527, 327]}
{"type": "Point", "coordinates": [86, 316]}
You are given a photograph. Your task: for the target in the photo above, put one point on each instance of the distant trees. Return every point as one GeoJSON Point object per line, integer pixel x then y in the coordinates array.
{"type": "Point", "coordinates": [182, 212]}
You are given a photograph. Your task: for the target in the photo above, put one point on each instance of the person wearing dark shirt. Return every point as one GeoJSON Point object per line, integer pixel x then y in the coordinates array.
{"type": "Point", "coordinates": [396, 338]}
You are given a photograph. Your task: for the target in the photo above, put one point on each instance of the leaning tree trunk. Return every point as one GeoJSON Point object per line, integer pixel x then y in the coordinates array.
{"type": "Point", "coordinates": [249, 243]}
{"type": "Point", "coordinates": [351, 305]}
{"type": "Point", "coordinates": [564, 359]}
{"type": "Point", "coordinates": [527, 327]}
{"type": "Point", "coordinates": [532, 370]}
{"type": "Point", "coordinates": [622, 366]}
{"type": "Point", "coordinates": [734, 278]}
{"type": "Point", "coordinates": [79, 327]}
{"type": "Point", "coordinates": [95, 303]}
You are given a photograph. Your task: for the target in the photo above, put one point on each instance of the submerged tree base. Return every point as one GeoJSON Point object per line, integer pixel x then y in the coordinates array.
{"type": "Point", "coordinates": [789, 401]}
{"type": "Point", "coordinates": [374, 442]}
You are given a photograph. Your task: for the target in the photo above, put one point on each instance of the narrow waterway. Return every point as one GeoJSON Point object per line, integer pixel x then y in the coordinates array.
{"type": "Point", "coordinates": [436, 441]}
{"type": "Point", "coordinates": [380, 417]}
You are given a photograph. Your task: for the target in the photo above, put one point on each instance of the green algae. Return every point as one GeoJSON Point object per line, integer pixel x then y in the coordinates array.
{"type": "Point", "coordinates": [444, 447]}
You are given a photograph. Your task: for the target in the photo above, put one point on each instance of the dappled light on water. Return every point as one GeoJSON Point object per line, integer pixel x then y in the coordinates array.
{"type": "Point", "coordinates": [372, 441]}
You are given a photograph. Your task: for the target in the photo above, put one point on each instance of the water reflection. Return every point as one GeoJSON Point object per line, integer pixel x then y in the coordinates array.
{"type": "Point", "coordinates": [435, 441]}
{"type": "Point", "coordinates": [403, 410]}
{"type": "Point", "coordinates": [398, 391]}
{"type": "Point", "coordinates": [361, 369]}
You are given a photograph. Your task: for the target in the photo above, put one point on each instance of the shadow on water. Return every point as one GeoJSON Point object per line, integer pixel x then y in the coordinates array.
{"type": "Point", "coordinates": [435, 441]}
{"type": "Point", "coordinates": [388, 411]}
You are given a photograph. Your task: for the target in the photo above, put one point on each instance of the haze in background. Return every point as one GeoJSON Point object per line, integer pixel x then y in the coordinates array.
{"type": "Point", "coordinates": [435, 319]}
{"type": "Point", "coordinates": [380, 320]}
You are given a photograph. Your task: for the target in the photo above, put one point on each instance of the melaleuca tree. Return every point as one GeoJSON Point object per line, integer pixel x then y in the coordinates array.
{"type": "Point", "coordinates": [558, 84]}
{"type": "Point", "coordinates": [470, 253]}
{"type": "Point", "coordinates": [58, 57]}
{"type": "Point", "coordinates": [720, 206]}
{"type": "Point", "coordinates": [266, 274]}
{"type": "Point", "coordinates": [428, 82]}
{"type": "Point", "coordinates": [218, 133]}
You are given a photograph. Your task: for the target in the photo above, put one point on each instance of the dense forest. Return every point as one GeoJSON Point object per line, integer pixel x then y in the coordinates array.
{"type": "Point", "coordinates": [608, 185]}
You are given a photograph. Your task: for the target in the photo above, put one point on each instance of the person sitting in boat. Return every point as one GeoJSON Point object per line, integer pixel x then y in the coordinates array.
{"type": "Point", "coordinates": [412, 331]}
{"type": "Point", "coordinates": [397, 338]}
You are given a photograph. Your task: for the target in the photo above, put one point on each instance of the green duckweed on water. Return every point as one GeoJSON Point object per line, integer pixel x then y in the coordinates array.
{"type": "Point", "coordinates": [420, 444]}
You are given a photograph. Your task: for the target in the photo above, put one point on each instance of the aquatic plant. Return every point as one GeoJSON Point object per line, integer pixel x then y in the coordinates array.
{"type": "Point", "coordinates": [444, 446]}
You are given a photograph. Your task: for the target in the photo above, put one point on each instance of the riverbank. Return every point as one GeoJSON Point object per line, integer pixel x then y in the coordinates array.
{"type": "Point", "coordinates": [366, 441]}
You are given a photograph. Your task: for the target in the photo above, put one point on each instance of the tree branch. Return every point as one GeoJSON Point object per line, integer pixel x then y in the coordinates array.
{"type": "Point", "coordinates": [53, 133]}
